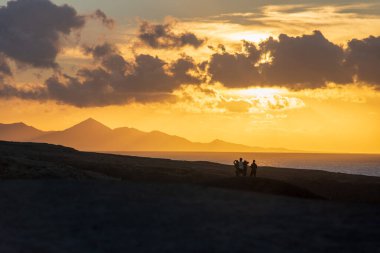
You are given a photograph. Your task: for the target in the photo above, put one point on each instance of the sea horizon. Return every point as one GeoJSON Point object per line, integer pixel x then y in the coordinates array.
{"type": "Point", "coordinates": [358, 164]}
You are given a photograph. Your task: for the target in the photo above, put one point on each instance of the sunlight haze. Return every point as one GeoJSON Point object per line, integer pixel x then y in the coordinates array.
{"type": "Point", "coordinates": [300, 75]}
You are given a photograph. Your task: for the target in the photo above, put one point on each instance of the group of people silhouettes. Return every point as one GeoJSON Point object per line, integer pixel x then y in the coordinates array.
{"type": "Point", "coordinates": [242, 167]}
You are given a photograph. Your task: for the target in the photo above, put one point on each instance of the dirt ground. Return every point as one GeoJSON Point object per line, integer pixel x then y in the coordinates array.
{"type": "Point", "coordinates": [94, 216]}
{"type": "Point", "coordinates": [56, 199]}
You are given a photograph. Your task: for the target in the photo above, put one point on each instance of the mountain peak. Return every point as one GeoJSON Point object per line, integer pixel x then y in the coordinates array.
{"type": "Point", "coordinates": [18, 132]}
{"type": "Point", "coordinates": [91, 121]}
{"type": "Point", "coordinates": [19, 124]}
{"type": "Point", "coordinates": [90, 124]}
{"type": "Point", "coordinates": [217, 141]}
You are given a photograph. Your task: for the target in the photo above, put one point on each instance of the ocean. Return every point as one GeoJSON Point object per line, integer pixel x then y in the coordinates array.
{"type": "Point", "coordinates": [362, 164]}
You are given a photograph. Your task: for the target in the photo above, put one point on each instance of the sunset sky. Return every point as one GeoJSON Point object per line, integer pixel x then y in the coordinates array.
{"type": "Point", "coordinates": [303, 75]}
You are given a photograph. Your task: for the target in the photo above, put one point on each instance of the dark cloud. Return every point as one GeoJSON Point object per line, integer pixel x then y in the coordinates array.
{"type": "Point", "coordinates": [30, 30]}
{"type": "Point", "coordinates": [182, 69]}
{"type": "Point", "coordinates": [113, 81]}
{"type": "Point", "coordinates": [109, 57]}
{"type": "Point", "coordinates": [5, 70]}
{"type": "Point", "coordinates": [95, 89]}
{"type": "Point", "coordinates": [149, 75]}
{"type": "Point", "coordinates": [162, 36]}
{"type": "Point", "coordinates": [100, 15]}
{"type": "Point", "coordinates": [9, 91]}
{"type": "Point", "coordinates": [302, 62]}
{"type": "Point", "coordinates": [363, 58]}
{"type": "Point", "coordinates": [101, 51]}
{"type": "Point", "coordinates": [235, 69]}
{"type": "Point", "coordinates": [306, 61]}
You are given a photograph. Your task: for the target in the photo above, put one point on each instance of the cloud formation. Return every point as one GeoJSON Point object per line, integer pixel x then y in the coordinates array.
{"type": "Point", "coordinates": [162, 36]}
{"type": "Point", "coordinates": [5, 70]}
{"type": "Point", "coordinates": [305, 61]}
{"type": "Point", "coordinates": [212, 99]}
{"type": "Point", "coordinates": [9, 91]}
{"type": "Point", "coordinates": [113, 81]}
{"type": "Point", "coordinates": [109, 57]}
{"type": "Point", "coordinates": [182, 69]}
{"type": "Point", "coordinates": [235, 69]}
{"type": "Point", "coordinates": [100, 15]}
{"type": "Point", "coordinates": [363, 58]}
{"type": "Point", "coordinates": [30, 30]}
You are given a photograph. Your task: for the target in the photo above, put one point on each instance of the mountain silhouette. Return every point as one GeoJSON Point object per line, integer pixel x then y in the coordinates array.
{"type": "Point", "coordinates": [91, 135]}
{"type": "Point", "coordinates": [88, 135]}
{"type": "Point", "coordinates": [18, 132]}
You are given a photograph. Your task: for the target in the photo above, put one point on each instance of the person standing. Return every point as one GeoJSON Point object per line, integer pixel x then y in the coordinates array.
{"type": "Point", "coordinates": [245, 164]}
{"type": "Point", "coordinates": [241, 164]}
{"type": "Point", "coordinates": [253, 168]}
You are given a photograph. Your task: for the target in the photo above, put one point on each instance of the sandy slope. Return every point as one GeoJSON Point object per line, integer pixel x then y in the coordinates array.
{"type": "Point", "coordinates": [156, 205]}
{"type": "Point", "coordinates": [28, 160]}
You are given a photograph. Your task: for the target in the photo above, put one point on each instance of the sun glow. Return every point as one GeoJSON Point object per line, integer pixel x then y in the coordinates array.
{"type": "Point", "coordinates": [248, 36]}
{"type": "Point", "coordinates": [255, 92]}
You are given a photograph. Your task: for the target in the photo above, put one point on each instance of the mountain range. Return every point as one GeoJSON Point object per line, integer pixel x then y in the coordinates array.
{"type": "Point", "coordinates": [91, 135]}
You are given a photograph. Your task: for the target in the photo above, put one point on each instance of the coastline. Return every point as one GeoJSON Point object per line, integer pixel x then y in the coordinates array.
{"type": "Point", "coordinates": [44, 161]}
{"type": "Point", "coordinates": [57, 199]}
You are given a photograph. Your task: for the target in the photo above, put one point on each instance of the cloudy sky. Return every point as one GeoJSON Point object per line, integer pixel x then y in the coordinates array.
{"type": "Point", "coordinates": [303, 75]}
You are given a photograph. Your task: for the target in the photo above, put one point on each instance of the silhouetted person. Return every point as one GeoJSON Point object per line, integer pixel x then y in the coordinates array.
{"type": "Point", "coordinates": [241, 164]}
{"type": "Point", "coordinates": [245, 168]}
{"type": "Point", "coordinates": [237, 170]}
{"type": "Point", "coordinates": [253, 168]}
{"type": "Point", "coordinates": [241, 167]}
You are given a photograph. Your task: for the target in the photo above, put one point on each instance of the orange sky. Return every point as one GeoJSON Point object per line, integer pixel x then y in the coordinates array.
{"type": "Point", "coordinates": [323, 117]}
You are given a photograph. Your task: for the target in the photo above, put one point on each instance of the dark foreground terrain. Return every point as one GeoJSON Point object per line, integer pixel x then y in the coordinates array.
{"type": "Point", "coordinates": [56, 199]}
